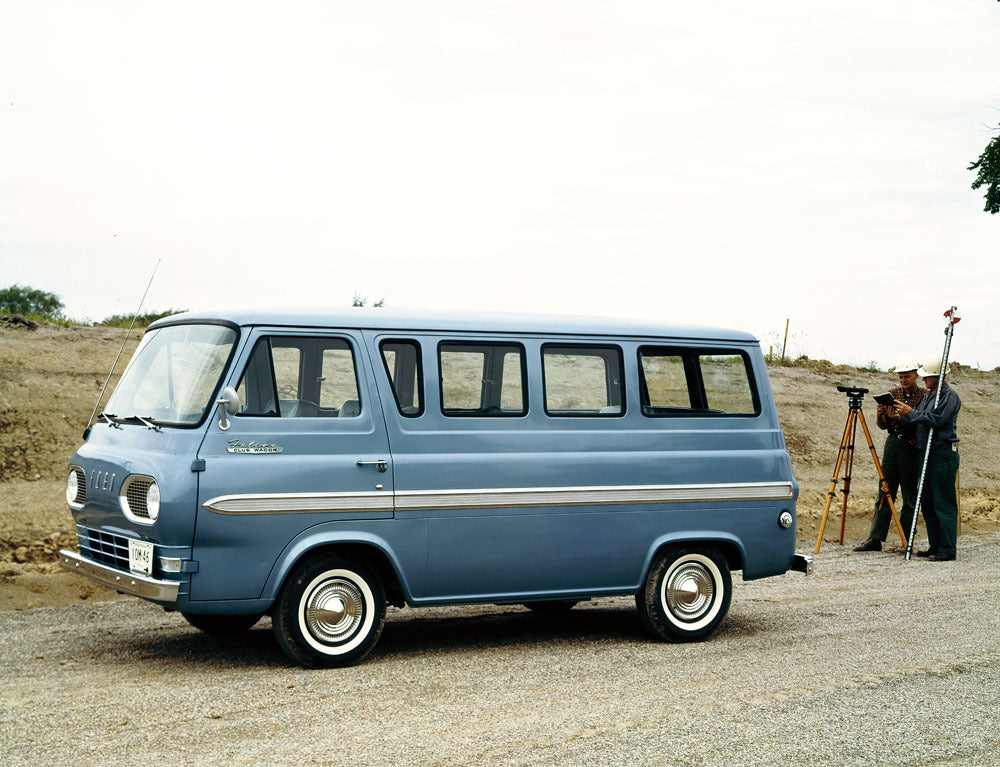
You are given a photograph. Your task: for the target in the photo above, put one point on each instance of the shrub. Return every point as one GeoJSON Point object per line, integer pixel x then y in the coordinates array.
{"type": "Point", "coordinates": [36, 304]}
{"type": "Point", "coordinates": [125, 320]}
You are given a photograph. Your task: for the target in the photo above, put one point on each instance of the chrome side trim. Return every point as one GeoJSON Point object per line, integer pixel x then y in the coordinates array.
{"type": "Point", "coordinates": [119, 580]}
{"type": "Point", "coordinates": [299, 503]}
{"type": "Point", "coordinates": [591, 496]}
{"type": "Point", "coordinates": [495, 498]}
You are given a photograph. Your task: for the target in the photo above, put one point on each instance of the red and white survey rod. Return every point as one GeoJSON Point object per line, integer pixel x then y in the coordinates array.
{"type": "Point", "coordinates": [952, 317]}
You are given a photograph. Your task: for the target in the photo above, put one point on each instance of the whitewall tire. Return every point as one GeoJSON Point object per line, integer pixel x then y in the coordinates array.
{"type": "Point", "coordinates": [330, 611]}
{"type": "Point", "coordinates": [686, 593]}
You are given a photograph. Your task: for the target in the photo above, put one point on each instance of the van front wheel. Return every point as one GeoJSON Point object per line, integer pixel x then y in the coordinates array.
{"type": "Point", "coordinates": [686, 594]}
{"type": "Point", "coordinates": [330, 612]}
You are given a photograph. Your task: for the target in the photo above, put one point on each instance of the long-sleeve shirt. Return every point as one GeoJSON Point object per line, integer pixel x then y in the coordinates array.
{"type": "Point", "coordinates": [897, 426]}
{"type": "Point", "coordinates": [942, 418]}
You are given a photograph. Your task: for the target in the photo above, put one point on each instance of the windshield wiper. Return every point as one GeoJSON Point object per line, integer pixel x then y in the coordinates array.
{"type": "Point", "coordinates": [150, 423]}
{"type": "Point", "coordinates": [110, 418]}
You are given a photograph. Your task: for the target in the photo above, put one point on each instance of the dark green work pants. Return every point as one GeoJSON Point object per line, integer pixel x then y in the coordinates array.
{"type": "Point", "coordinates": [901, 466]}
{"type": "Point", "coordinates": [939, 503]}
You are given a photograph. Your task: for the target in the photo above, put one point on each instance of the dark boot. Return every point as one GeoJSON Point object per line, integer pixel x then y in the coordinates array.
{"type": "Point", "coordinates": [872, 544]}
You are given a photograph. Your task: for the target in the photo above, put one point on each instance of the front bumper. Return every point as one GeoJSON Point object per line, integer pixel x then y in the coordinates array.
{"type": "Point", "coordinates": [802, 563]}
{"type": "Point", "coordinates": [127, 583]}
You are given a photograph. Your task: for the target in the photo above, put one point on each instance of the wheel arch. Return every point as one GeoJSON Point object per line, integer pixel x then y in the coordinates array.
{"type": "Point", "coordinates": [728, 545]}
{"type": "Point", "coordinates": [364, 546]}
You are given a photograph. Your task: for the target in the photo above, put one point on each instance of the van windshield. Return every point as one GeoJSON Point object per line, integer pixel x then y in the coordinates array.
{"type": "Point", "coordinates": [173, 374]}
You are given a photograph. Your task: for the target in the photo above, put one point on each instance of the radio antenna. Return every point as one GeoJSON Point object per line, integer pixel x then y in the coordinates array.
{"type": "Point", "coordinates": [86, 431]}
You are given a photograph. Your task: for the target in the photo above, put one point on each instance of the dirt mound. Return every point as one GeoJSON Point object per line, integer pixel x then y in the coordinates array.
{"type": "Point", "coordinates": [32, 550]}
{"type": "Point", "coordinates": [17, 321]}
{"type": "Point", "coordinates": [19, 446]}
{"type": "Point", "coordinates": [50, 379]}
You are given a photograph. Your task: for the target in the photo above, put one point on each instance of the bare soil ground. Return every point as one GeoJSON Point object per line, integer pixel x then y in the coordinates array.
{"type": "Point", "coordinates": [870, 661]}
{"type": "Point", "coordinates": [50, 378]}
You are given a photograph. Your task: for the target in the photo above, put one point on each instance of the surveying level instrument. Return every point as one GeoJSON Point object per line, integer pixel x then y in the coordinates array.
{"type": "Point", "coordinates": [845, 456]}
{"type": "Point", "coordinates": [952, 318]}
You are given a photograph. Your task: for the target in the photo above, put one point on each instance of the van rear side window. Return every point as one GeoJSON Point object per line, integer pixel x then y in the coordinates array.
{"type": "Point", "coordinates": [300, 377]}
{"type": "Point", "coordinates": [582, 380]}
{"type": "Point", "coordinates": [482, 379]}
{"type": "Point", "coordinates": [679, 381]}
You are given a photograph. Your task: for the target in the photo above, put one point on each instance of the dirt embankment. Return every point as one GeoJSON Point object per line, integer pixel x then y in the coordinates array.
{"type": "Point", "coordinates": [813, 416]}
{"type": "Point", "coordinates": [50, 378]}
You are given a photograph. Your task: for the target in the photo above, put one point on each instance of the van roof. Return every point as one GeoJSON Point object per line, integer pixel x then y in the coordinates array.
{"type": "Point", "coordinates": [452, 321]}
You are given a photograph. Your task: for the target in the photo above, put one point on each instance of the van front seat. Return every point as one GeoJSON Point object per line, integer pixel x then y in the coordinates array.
{"type": "Point", "coordinates": [350, 409]}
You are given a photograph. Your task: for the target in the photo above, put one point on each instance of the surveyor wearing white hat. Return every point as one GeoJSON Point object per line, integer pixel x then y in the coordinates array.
{"type": "Point", "coordinates": [900, 457]}
{"type": "Point", "coordinates": [938, 502]}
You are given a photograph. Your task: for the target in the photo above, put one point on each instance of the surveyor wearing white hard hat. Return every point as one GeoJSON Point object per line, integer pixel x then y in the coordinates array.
{"type": "Point", "coordinates": [933, 368]}
{"type": "Point", "coordinates": [900, 456]}
{"type": "Point", "coordinates": [938, 502]}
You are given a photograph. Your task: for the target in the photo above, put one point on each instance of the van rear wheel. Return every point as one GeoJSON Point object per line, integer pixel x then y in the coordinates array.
{"type": "Point", "coordinates": [330, 612]}
{"type": "Point", "coordinates": [686, 594]}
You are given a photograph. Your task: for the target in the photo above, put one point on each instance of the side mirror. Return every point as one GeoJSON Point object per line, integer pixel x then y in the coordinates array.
{"type": "Point", "coordinates": [229, 404]}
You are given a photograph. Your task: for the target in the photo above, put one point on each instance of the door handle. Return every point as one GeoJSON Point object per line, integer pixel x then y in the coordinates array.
{"type": "Point", "coordinates": [382, 464]}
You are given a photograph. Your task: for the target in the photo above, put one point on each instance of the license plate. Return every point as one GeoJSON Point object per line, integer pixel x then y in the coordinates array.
{"type": "Point", "coordinates": [140, 556]}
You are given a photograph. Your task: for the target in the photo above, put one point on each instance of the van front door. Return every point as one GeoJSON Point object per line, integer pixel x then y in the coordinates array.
{"type": "Point", "coordinates": [307, 447]}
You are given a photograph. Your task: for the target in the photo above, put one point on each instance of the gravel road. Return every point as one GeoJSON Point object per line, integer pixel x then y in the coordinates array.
{"type": "Point", "coordinates": [871, 660]}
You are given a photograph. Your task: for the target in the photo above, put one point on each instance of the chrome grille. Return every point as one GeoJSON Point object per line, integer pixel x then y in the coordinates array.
{"type": "Point", "coordinates": [106, 548]}
{"type": "Point", "coordinates": [135, 496]}
{"type": "Point", "coordinates": [81, 487]}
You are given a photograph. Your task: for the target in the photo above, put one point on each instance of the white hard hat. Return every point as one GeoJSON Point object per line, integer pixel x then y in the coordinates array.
{"type": "Point", "coordinates": [905, 365]}
{"type": "Point", "coordinates": [932, 367]}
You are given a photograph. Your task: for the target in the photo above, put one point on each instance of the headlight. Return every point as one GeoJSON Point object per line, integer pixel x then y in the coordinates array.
{"type": "Point", "coordinates": [153, 501]}
{"type": "Point", "coordinates": [140, 499]}
{"type": "Point", "coordinates": [72, 487]}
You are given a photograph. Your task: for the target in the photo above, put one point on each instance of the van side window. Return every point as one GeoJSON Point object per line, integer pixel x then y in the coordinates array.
{"type": "Point", "coordinates": [338, 381]}
{"type": "Point", "coordinates": [679, 381]}
{"type": "Point", "coordinates": [582, 380]}
{"type": "Point", "coordinates": [257, 388]}
{"type": "Point", "coordinates": [287, 370]}
{"type": "Point", "coordinates": [300, 378]}
{"type": "Point", "coordinates": [727, 384]}
{"type": "Point", "coordinates": [482, 379]}
{"type": "Point", "coordinates": [664, 382]}
{"type": "Point", "coordinates": [405, 371]}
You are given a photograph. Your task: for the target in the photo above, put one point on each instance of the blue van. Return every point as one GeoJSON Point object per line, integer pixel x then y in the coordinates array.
{"type": "Point", "coordinates": [316, 467]}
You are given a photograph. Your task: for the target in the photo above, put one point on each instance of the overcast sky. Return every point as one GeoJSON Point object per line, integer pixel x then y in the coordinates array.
{"type": "Point", "coordinates": [725, 163]}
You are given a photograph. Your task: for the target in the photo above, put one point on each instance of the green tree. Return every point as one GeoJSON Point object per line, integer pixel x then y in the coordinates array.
{"type": "Point", "coordinates": [988, 166]}
{"type": "Point", "coordinates": [22, 299]}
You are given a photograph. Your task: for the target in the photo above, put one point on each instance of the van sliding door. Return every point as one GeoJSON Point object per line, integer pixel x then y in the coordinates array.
{"type": "Point", "coordinates": [501, 485]}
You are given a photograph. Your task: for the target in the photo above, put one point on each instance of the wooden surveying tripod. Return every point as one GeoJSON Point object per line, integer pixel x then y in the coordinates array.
{"type": "Point", "coordinates": [854, 414]}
